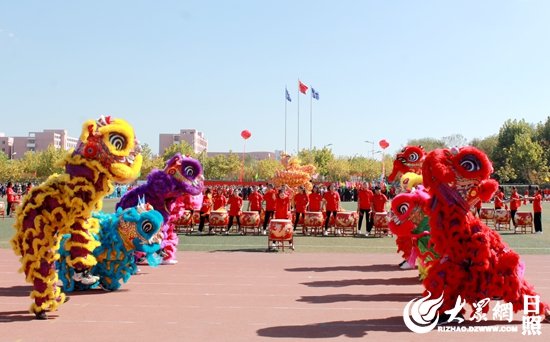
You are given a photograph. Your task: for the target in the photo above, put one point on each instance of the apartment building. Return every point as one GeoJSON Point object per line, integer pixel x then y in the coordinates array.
{"type": "Point", "coordinates": [39, 141]}
{"type": "Point", "coordinates": [191, 136]}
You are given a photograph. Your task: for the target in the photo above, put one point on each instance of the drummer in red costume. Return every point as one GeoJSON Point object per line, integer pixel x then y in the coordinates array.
{"type": "Point", "coordinates": [315, 199]}
{"type": "Point", "coordinates": [331, 200]}
{"type": "Point", "coordinates": [235, 204]}
{"type": "Point", "coordinates": [269, 199]}
{"type": "Point", "coordinates": [282, 205]}
{"type": "Point", "coordinates": [254, 200]}
{"type": "Point", "coordinates": [499, 198]}
{"type": "Point", "coordinates": [364, 206]}
{"type": "Point", "coordinates": [379, 201]}
{"type": "Point", "coordinates": [219, 199]}
{"type": "Point", "coordinates": [300, 204]}
{"type": "Point", "coordinates": [515, 203]}
{"type": "Point", "coordinates": [205, 209]}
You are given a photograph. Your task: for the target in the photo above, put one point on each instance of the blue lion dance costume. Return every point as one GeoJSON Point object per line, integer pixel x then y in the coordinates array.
{"type": "Point", "coordinates": [120, 235]}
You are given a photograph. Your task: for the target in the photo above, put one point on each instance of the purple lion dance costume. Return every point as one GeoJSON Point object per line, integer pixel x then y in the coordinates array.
{"type": "Point", "coordinates": [181, 175]}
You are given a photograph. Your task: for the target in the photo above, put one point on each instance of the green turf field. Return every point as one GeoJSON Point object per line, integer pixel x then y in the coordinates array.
{"type": "Point", "coordinates": [522, 243]}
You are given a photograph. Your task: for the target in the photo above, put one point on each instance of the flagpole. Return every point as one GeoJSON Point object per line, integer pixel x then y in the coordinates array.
{"type": "Point", "coordinates": [311, 125]}
{"type": "Point", "coordinates": [285, 115]}
{"type": "Point", "coordinates": [298, 144]}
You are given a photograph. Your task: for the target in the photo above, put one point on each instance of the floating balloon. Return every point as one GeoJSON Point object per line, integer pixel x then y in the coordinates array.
{"type": "Point", "coordinates": [246, 134]}
{"type": "Point", "coordinates": [384, 144]}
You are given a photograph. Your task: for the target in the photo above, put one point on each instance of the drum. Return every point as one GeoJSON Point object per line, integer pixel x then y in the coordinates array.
{"type": "Point", "coordinates": [219, 219]}
{"type": "Point", "coordinates": [486, 213]}
{"type": "Point", "coordinates": [346, 219]}
{"type": "Point", "coordinates": [280, 230]}
{"type": "Point", "coordinates": [381, 220]}
{"type": "Point", "coordinates": [524, 218]}
{"type": "Point", "coordinates": [250, 219]}
{"type": "Point", "coordinates": [502, 219]}
{"type": "Point", "coordinates": [185, 219]}
{"type": "Point", "coordinates": [314, 219]}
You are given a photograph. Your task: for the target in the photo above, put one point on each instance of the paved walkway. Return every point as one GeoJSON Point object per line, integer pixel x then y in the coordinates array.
{"type": "Point", "coordinates": [246, 296]}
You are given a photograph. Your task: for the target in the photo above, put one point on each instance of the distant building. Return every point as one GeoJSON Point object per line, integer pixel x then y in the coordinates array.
{"type": "Point", "coordinates": [6, 144]}
{"type": "Point", "coordinates": [39, 141]}
{"type": "Point", "coordinates": [194, 138]}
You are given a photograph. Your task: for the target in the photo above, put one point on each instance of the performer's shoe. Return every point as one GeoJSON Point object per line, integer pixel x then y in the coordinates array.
{"type": "Point", "coordinates": [85, 277]}
{"type": "Point", "coordinates": [405, 266]}
{"type": "Point", "coordinates": [41, 315]}
{"type": "Point", "coordinates": [103, 287]}
{"type": "Point", "coordinates": [402, 262]}
{"type": "Point", "coordinates": [169, 262]}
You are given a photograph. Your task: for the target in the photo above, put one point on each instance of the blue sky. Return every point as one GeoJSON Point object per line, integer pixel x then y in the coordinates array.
{"type": "Point", "coordinates": [393, 70]}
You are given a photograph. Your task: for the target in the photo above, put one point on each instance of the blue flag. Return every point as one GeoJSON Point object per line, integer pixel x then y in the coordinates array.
{"type": "Point", "coordinates": [288, 96]}
{"type": "Point", "coordinates": [314, 94]}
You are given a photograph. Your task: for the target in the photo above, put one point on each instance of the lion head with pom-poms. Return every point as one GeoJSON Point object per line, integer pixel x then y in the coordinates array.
{"type": "Point", "coordinates": [112, 144]}
{"type": "Point", "coordinates": [465, 169]}
{"type": "Point", "coordinates": [408, 160]}
{"type": "Point", "coordinates": [408, 210]}
{"type": "Point", "coordinates": [188, 172]}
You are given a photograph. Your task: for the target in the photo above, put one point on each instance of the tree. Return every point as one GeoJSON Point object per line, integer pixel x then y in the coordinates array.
{"type": "Point", "coordinates": [183, 147]}
{"type": "Point", "coordinates": [455, 140]}
{"type": "Point", "coordinates": [222, 167]}
{"type": "Point", "coordinates": [11, 170]}
{"type": "Point", "coordinates": [429, 144]}
{"type": "Point", "coordinates": [506, 138]}
{"type": "Point", "coordinates": [267, 168]}
{"type": "Point", "coordinates": [373, 169]}
{"type": "Point", "coordinates": [321, 158]}
{"type": "Point", "coordinates": [487, 145]}
{"type": "Point", "coordinates": [542, 136]}
{"type": "Point", "coordinates": [338, 170]}
{"type": "Point", "coordinates": [150, 162]}
{"type": "Point", "coordinates": [357, 165]}
{"type": "Point", "coordinates": [47, 162]}
{"type": "Point", "coordinates": [525, 157]}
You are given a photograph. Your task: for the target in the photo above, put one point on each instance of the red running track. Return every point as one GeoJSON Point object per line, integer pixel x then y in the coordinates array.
{"type": "Point", "coordinates": [247, 296]}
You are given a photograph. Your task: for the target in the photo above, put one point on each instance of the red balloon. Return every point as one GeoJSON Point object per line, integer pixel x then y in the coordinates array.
{"type": "Point", "coordinates": [246, 134]}
{"type": "Point", "coordinates": [384, 144]}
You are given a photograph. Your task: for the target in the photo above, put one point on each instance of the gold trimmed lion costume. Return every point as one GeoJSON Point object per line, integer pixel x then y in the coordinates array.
{"type": "Point", "coordinates": [107, 151]}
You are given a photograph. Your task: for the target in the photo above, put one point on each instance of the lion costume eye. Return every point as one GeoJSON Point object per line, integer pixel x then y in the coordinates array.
{"type": "Point", "coordinates": [470, 163]}
{"type": "Point", "coordinates": [413, 157]}
{"type": "Point", "coordinates": [403, 208]}
{"type": "Point", "coordinates": [189, 171]}
{"type": "Point", "coordinates": [118, 141]}
{"type": "Point", "coordinates": [147, 226]}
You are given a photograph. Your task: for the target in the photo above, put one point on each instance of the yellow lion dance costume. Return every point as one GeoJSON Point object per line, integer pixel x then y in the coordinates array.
{"type": "Point", "coordinates": [63, 204]}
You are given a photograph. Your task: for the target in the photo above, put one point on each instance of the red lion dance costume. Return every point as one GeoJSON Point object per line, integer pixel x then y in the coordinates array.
{"type": "Point", "coordinates": [474, 262]}
{"type": "Point", "coordinates": [407, 162]}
